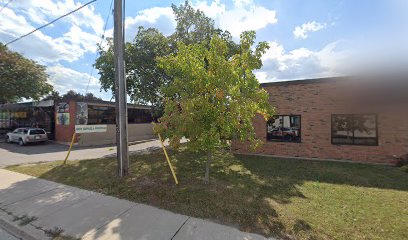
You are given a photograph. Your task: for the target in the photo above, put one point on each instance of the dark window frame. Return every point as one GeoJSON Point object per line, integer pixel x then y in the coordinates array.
{"type": "Point", "coordinates": [283, 141]}
{"type": "Point", "coordinates": [101, 114]}
{"type": "Point", "coordinates": [353, 139]}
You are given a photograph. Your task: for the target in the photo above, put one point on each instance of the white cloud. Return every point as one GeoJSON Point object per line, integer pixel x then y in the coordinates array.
{"type": "Point", "coordinates": [64, 79]}
{"type": "Point", "coordinates": [242, 3]}
{"type": "Point", "coordinates": [302, 31]}
{"type": "Point", "coordinates": [81, 36]}
{"type": "Point", "coordinates": [302, 63]}
{"type": "Point", "coordinates": [212, 10]}
{"type": "Point", "coordinates": [43, 11]}
{"type": "Point", "coordinates": [77, 37]}
{"type": "Point", "coordinates": [243, 16]}
{"type": "Point", "coordinates": [161, 18]}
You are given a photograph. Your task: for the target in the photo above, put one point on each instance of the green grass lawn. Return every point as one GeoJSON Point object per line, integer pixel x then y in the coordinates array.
{"type": "Point", "coordinates": [274, 197]}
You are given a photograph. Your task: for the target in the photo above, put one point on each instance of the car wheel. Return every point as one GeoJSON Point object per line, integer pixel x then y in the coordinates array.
{"type": "Point", "coordinates": [21, 142]}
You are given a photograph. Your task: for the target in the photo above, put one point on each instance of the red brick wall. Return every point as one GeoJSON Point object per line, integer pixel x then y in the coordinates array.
{"type": "Point", "coordinates": [315, 102]}
{"type": "Point", "coordinates": [63, 133]}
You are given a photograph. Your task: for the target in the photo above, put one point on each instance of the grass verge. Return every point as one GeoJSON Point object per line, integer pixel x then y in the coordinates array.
{"type": "Point", "coordinates": [294, 199]}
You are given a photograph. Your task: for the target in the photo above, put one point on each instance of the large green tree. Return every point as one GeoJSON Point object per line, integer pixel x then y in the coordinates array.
{"type": "Point", "coordinates": [20, 77]}
{"type": "Point", "coordinates": [144, 77]}
{"type": "Point", "coordinates": [214, 97]}
{"type": "Point", "coordinates": [142, 74]}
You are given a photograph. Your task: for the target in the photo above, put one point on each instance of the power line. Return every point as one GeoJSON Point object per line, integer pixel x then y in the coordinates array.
{"type": "Point", "coordinates": [100, 43]}
{"type": "Point", "coordinates": [5, 5]}
{"type": "Point", "coordinates": [53, 21]}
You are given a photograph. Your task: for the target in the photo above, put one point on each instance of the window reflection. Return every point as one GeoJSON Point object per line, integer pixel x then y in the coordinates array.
{"type": "Point", "coordinates": [355, 129]}
{"type": "Point", "coordinates": [286, 128]}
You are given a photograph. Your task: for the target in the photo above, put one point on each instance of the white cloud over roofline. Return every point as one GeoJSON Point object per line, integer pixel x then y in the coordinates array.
{"type": "Point", "coordinates": [64, 79]}
{"type": "Point", "coordinates": [302, 63]}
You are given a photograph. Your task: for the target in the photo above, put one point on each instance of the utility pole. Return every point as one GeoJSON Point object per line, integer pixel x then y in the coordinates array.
{"type": "Point", "coordinates": [120, 91]}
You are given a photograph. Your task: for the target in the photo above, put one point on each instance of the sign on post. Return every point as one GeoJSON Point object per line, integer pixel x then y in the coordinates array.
{"type": "Point", "coordinates": [90, 128]}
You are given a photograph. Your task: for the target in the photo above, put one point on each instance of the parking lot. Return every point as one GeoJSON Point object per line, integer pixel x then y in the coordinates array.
{"type": "Point", "coordinates": [12, 154]}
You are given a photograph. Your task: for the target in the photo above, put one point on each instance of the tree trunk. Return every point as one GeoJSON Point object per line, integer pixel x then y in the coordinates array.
{"type": "Point", "coordinates": [207, 168]}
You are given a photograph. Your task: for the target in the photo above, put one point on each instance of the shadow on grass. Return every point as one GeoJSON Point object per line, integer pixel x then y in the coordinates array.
{"type": "Point", "coordinates": [246, 191]}
{"type": "Point", "coordinates": [353, 174]}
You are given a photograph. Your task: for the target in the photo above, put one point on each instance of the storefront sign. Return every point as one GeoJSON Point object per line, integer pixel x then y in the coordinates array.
{"type": "Point", "coordinates": [90, 128]}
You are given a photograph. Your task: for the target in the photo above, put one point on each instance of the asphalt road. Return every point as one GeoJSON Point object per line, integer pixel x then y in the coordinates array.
{"type": "Point", "coordinates": [12, 154]}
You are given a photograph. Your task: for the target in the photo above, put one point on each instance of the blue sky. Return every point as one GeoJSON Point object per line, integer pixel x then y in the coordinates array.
{"type": "Point", "coordinates": [308, 39]}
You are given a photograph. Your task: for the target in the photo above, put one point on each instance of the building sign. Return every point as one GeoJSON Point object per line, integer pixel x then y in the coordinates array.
{"type": "Point", "coordinates": [18, 114]}
{"type": "Point", "coordinates": [47, 103]}
{"type": "Point", "coordinates": [90, 128]}
{"type": "Point", "coordinates": [62, 110]}
{"type": "Point", "coordinates": [81, 114]}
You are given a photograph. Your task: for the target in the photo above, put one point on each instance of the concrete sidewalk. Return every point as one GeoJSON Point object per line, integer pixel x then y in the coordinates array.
{"type": "Point", "coordinates": [50, 208]}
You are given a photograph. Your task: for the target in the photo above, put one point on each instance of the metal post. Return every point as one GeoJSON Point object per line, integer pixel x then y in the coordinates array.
{"type": "Point", "coordinates": [120, 91]}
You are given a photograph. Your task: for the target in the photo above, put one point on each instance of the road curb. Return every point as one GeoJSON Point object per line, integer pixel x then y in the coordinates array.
{"type": "Point", "coordinates": [16, 231]}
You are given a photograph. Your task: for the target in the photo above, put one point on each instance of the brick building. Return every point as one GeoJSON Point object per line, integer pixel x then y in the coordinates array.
{"type": "Point", "coordinates": [60, 118]}
{"type": "Point", "coordinates": [358, 119]}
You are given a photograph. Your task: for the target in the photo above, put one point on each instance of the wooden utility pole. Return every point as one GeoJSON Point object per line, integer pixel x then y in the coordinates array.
{"type": "Point", "coordinates": [120, 91]}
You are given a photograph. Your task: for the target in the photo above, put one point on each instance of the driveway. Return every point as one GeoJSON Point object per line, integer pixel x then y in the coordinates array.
{"type": "Point", "coordinates": [11, 154]}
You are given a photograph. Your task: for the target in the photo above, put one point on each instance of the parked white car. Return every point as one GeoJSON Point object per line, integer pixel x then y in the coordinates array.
{"type": "Point", "coordinates": [24, 136]}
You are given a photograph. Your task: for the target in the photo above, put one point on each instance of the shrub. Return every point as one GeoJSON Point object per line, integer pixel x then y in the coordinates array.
{"type": "Point", "coordinates": [402, 160]}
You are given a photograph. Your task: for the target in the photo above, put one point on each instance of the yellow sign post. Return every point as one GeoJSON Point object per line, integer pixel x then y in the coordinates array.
{"type": "Point", "coordinates": [70, 146]}
{"type": "Point", "coordinates": [168, 160]}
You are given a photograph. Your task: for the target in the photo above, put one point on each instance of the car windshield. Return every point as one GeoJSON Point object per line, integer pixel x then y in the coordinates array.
{"type": "Point", "coordinates": [36, 131]}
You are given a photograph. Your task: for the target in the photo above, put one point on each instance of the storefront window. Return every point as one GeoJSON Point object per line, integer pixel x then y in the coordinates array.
{"type": "Point", "coordinates": [101, 115]}
{"type": "Point", "coordinates": [139, 115]}
{"type": "Point", "coordinates": [107, 115]}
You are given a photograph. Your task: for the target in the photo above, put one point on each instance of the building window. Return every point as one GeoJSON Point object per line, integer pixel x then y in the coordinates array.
{"type": "Point", "coordinates": [106, 115]}
{"type": "Point", "coordinates": [284, 128]}
{"type": "Point", "coordinates": [354, 129]}
{"type": "Point", "coordinates": [139, 115]}
{"type": "Point", "coordinates": [101, 115]}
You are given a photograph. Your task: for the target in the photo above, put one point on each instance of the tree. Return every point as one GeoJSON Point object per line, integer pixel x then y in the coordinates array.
{"type": "Point", "coordinates": [213, 97]}
{"type": "Point", "coordinates": [192, 25]}
{"type": "Point", "coordinates": [20, 77]}
{"type": "Point", "coordinates": [71, 95]}
{"type": "Point", "coordinates": [144, 77]}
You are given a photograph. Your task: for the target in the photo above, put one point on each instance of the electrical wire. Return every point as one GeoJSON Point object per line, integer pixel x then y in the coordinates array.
{"type": "Point", "coordinates": [5, 5]}
{"type": "Point", "coordinates": [100, 43]}
{"type": "Point", "coordinates": [53, 21]}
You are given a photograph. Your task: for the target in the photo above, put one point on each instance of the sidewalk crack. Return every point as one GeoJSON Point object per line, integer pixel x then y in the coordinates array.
{"type": "Point", "coordinates": [180, 228]}
{"type": "Point", "coordinates": [33, 196]}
